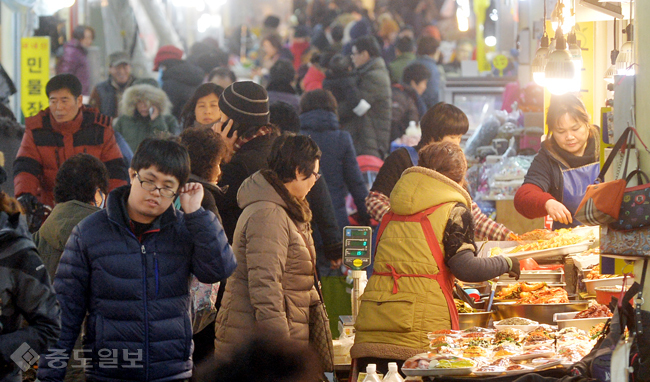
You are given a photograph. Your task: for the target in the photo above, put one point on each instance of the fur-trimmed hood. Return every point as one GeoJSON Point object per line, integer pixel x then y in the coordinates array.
{"type": "Point", "coordinates": [420, 188]}
{"type": "Point", "coordinates": [144, 92]}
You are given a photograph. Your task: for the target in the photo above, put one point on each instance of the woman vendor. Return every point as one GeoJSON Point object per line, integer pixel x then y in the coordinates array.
{"type": "Point", "coordinates": [424, 242]}
{"type": "Point", "coordinates": [565, 165]}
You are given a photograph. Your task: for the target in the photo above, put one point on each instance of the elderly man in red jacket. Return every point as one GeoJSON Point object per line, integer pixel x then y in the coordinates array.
{"type": "Point", "coordinates": [55, 134]}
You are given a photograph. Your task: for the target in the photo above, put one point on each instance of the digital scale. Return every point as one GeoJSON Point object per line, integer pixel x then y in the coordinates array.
{"type": "Point", "coordinates": [357, 255]}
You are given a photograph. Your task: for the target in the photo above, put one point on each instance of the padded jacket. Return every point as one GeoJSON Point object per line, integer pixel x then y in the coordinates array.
{"type": "Point", "coordinates": [136, 291]}
{"type": "Point", "coordinates": [273, 285]}
{"type": "Point", "coordinates": [26, 295]}
{"type": "Point", "coordinates": [47, 144]}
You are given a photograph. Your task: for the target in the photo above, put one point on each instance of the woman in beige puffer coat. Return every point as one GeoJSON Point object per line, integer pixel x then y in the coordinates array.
{"type": "Point", "coordinates": [273, 285]}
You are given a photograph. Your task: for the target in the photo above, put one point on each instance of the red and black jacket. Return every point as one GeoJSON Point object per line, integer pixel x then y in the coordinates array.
{"type": "Point", "coordinates": [47, 144]}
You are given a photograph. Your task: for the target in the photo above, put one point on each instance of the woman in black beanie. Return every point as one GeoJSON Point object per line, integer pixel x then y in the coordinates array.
{"type": "Point", "coordinates": [246, 103]}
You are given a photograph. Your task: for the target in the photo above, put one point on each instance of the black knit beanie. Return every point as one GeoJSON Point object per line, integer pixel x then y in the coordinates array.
{"type": "Point", "coordinates": [246, 103]}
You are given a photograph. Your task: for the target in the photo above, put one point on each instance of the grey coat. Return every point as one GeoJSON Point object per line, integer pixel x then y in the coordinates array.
{"type": "Point", "coordinates": [372, 136]}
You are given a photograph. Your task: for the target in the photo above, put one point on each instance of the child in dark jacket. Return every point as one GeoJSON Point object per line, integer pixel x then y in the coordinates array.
{"type": "Point", "coordinates": [126, 269]}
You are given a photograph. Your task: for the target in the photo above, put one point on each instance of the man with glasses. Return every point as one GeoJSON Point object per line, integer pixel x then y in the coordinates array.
{"type": "Point", "coordinates": [127, 269]}
{"type": "Point", "coordinates": [372, 136]}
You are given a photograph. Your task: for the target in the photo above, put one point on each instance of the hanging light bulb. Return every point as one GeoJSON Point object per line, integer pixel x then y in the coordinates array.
{"type": "Point", "coordinates": [540, 60]}
{"type": "Point", "coordinates": [562, 16]}
{"type": "Point", "coordinates": [625, 59]}
{"type": "Point", "coordinates": [560, 70]}
{"type": "Point", "coordinates": [576, 54]}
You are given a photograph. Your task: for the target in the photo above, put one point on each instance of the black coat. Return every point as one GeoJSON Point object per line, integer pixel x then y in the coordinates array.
{"type": "Point", "coordinates": [25, 293]}
{"type": "Point", "coordinates": [179, 81]}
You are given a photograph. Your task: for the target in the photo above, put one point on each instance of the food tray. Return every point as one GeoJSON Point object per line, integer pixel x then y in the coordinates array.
{"type": "Point", "coordinates": [505, 373]}
{"type": "Point", "coordinates": [532, 355]}
{"type": "Point", "coordinates": [566, 320]}
{"type": "Point", "coordinates": [501, 285]}
{"type": "Point", "coordinates": [438, 372]}
{"type": "Point", "coordinates": [524, 328]}
{"type": "Point", "coordinates": [542, 313]}
{"type": "Point", "coordinates": [546, 276]}
{"type": "Point", "coordinates": [612, 281]}
{"type": "Point", "coordinates": [559, 251]}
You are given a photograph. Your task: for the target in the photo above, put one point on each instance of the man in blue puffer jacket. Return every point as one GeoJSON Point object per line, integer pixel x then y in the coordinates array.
{"type": "Point", "coordinates": [128, 269]}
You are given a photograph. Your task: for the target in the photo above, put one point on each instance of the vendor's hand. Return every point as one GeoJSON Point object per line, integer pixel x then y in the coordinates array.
{"type": "Point", "coordinates": [515, 269]}
{"type": "Point", "coordinates": [558, 211]}
{"type": "Point", "coordinates": [223, 130]}
{"type": "Point", "coordinates": [191, 196]}
{"type": "Point", "coordinates": [154, 112]}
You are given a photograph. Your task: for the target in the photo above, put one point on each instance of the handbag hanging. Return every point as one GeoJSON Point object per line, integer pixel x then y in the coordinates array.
{"type": "Point", "coordinates": [602, 201]}
{"type": "Point", "coordinates": [635, 207]}
{"type": "Point", "coordinates": [320, 334]}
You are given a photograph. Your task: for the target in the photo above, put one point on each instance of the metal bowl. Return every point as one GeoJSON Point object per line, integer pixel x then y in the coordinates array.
{"type": "Point", "coordinates": [542, 313]}
{"type": "Point", "coordinates": [469, 320]}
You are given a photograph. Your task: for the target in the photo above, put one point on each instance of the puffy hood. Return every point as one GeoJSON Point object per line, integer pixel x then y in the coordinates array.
{"type": "Point", "coordinates": [157, 97]}
{"type": "Point", "coordinates": [420, 188]}
{"type": "Point", "coordinates": [185, 73]}
{"type": "Point", "coordinates": [319, 120]}
{"type": "Point", "coordinates": [64, 217]}
{"type": "Point", "coordinates": [265, 186]}
{"type": "Point", "coordinates": [376, 63]}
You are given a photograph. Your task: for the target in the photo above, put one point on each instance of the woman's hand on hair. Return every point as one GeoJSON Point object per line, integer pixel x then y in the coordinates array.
{"type": "Point", "coordinates": [154, 112]}
{"type": "Point", "coordinates": [224, 130]}
{"type": "Point", "coordinates": [558, 211]}
{"type": "Point", "coordinates": [191, 196]}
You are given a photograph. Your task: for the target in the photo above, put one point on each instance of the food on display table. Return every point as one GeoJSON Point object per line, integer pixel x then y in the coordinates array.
{"type": "Point", "coordinates": [508, 335]}
{"type": "Point", "coordinates": [594, 311]}
{"type": "Point", "coordinates": [474, 352]}
{"type": "Point", "coordinates": [537, 337]}
{"type": "Point", "coordinates": [596, 331]}
{"type": "Point", "coordinates": [463, 307]}
{"type": "Point", "coordinates": [560, 238]}
{"type": "Point", "coordinates": [517, 321]}
{"type": "Point", "coordinates": [536, 234]}
{"type": "Point", "coordinates": [594, 274]}
{"type": "Point", "coordinates": [535, 293]}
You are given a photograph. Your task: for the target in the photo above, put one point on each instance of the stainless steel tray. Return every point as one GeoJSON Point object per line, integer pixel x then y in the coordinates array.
{"type": "Point", "coordinates": [559, 251]}
{"type": "Point", "coordinates": [542, 313]}
{"type": "Point", "coordinates": [547, 276]}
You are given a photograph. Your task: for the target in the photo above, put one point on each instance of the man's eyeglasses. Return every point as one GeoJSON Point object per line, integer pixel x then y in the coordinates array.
{"type": "Point", "coordinates": [151, 186]}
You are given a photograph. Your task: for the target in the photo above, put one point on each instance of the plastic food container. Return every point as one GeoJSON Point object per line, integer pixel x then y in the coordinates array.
{"type": "Point", "coordinates": [604, 294]}
{"type": "Point", "coordinates": [566, 320]}
{"type": "Point", "coordinates": [612, 281]}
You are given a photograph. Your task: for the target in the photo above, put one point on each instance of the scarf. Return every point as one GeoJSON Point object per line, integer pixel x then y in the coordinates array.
{"type": "Point", "coordinates": [262, 131]}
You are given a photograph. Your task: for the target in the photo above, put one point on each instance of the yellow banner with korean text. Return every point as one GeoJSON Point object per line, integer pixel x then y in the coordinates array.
{"type": "Point", "coordinates": [34, 74]}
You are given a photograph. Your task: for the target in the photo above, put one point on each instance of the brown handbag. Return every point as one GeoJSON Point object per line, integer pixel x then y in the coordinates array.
{"type": "Point", "coordinates": [320, 334]}
{"type": "Point", "coordinates": [601, 204]}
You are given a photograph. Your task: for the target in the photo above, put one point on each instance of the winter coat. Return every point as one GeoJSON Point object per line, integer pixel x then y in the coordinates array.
{"type": "Point", "coordinates": [373, 137]}
{"type": "Point", "coordinates": [134, 127]}
{"type": "Point", "coordinates": [284, 92]}
{"type": "Point", "coordinates": [179, 81]}
{"type": "Point", "coordinates": [273, 285]}
{"type": "Point", "coordinates": [25, 294]}
{"type": "Point", "coordinates": [430, 96]}
{"type": "Point", "coordinates": [11, 133]}
{"type": "Point", "coordinates": [344, 88]}
{"type": "Point", "coordinates": [75, 61]}
{"type": "Point", "coordinates": [395, 325]}
{"type": "Point", "coordinates": [338, 162]}
{"type": "Point", "coordinates": [50, 239]}
{"type": "Point", "coordinates": [136, 290]}
{"type": "Point", "coordinates": [404, 109]}
{"type": "Point", "coordinates": [47, 144]}
{"type": "Point", "coordinates": [106, 96]}
{"type": "Point", "coordinates": [396, 67]}
{"type": "Point", "coordinates": [313, 79]}
{"type": "Point", "coordinates": [546, 173]}
{"type": "Point", "coordinates": [252, 157]}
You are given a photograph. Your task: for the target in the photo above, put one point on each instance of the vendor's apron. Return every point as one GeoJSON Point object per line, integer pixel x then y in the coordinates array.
{"type": "Point", "coordinates": [444, 277]}
{"type": "Point", "coordinates": [576, 181]}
